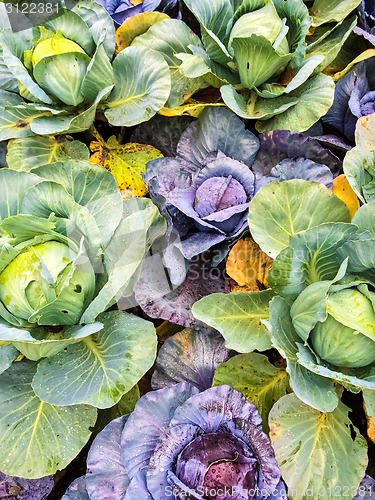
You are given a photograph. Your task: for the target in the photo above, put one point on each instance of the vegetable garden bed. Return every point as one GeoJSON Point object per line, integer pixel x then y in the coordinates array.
{"type": "Point", "coordinates": [187, 249]}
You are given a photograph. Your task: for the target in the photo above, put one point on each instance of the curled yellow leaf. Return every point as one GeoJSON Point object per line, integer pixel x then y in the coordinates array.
{"type": "Point", "coordinates": [343, 190]}
{"type": "Point", "coordinates": [191, 107]}
{"type": "Point", "coordinates": [362, 57]}
{"type": "Point", "coordinates": [134, 26]}
{"type": "Point", "coordinates": [126, 162]}
{"type": "Point", "coordinates": [248, 266]}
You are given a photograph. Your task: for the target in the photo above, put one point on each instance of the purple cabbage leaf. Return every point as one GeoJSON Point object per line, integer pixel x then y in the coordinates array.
{"type": "Point", "coordinates": [25, 489]}
{"type": "Point", "coordinates": [77, 490]}
{"type": "Point", "coordinates": [366, 490]}
{"type": "Point", "coordinates": [120, 10]}
{"type": "Point", "coordinates": [191, 355]}
{"type": "Point", "coordinates": [104, 460]}
{"type": "Point", "coordinates": [160, 299]}
{"type": "Point", "coordinates": [280, 145]}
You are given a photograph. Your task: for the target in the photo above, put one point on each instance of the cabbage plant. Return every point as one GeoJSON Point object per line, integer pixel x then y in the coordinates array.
{"type": "Point", "coordinates": [259, 55]}
{"type": "Point", "coordinates": [324, 320]}
{"type": "Point", "coordinates": [56, 76]}
{"type": "Point", "coordinates": [179, 443]}
{"type": "Point", "coordinates": [70, 248]}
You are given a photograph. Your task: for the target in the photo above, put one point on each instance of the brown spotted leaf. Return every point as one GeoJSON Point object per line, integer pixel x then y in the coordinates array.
{"type": "Point", "coordinates": [126, 162]}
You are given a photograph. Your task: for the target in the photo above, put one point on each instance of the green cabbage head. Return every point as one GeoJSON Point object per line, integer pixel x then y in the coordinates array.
{"type": "Point", "coordinates": [341, 345]}
{"type": "Point", "coordinates": [56, 76]}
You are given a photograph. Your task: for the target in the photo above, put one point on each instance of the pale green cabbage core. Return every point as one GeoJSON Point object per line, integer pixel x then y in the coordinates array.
{"type": "Point", "coordinates": [59, 67]}
{"type": "Point", "coordinates": [44, 285]}
{"type": "Point", "coordinates": [342, 346]}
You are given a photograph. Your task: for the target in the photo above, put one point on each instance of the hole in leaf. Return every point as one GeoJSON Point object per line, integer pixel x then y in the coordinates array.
{"type": "Point", "coordinates": [353, 434]}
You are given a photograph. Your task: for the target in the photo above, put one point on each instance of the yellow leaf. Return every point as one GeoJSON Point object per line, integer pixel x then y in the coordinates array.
{"type": "Point", "coordinates": [364, 132]}
{"type": "Point", "coordinates": [370, 425]}
{"type": "Point", "coordinates": [248, 266]}
{"type": "Point", "coordinates": [135, 26]}
{"type": "Point", "coordinates": [343, 190]}
{"type": "Point", "coordinates": [126, 163]}
{"type": "Point", "coordinates": [189, 108]}
{"type": "Point", "coordinates": [365, 55]}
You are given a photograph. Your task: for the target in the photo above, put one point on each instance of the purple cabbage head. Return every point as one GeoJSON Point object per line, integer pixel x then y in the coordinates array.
{"type": "Point", "coordinates": [180, 442]}
{"type": "Point", "coordinates": [204, 192]}
{"type": "Point", "coordinates": [207, 188]}
{"type": "Point", "coordinates": [354, 97]}
{"type": "Point", "coordinates": [366, 21]}
{"type": "Point", "coordinates": [120, 10]}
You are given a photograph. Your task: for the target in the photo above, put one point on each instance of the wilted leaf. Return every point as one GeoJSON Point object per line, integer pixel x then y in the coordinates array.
{"type": "Point", "coordinates": [134, 26]}
{"type": "Point", "coordinates": [190, 108]}
{"type": "Point", "coordinates": [359, 162]}
{"type": "Point", "coordinates": [362, 57]}
{"type": "Point", "coordinates": [343, 190]}
{"type": "Point", "coordinates": [369, 407]}
{"type": "Point", "coordinates": [248, 266]}
{"type": "Point", "coordinates": [364, 134]}
{"type": "Point", "coordinates": [126, 162]}
{"type": "Point", "coordinates": [166, 330]}
{"type": "Point", "coordinates": [25, 489]}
